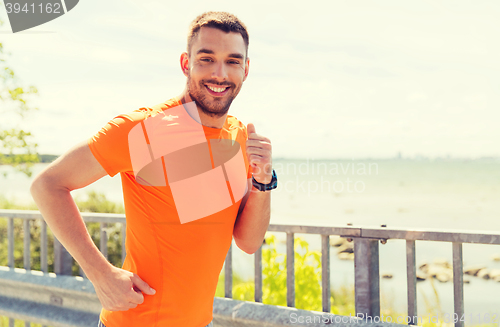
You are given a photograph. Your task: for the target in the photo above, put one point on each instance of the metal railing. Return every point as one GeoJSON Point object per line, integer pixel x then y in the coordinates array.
{"type": "Point", "coordinates": [366, 257]}
{"type": "Point", "coordinates": [63, 261]}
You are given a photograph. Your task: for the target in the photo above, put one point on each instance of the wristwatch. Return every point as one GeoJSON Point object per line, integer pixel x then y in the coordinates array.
{"type": "Point", "coordinates": [266, 187]}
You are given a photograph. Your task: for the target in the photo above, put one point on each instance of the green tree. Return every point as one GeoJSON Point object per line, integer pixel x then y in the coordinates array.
{"type": "Point", "coordinates": [16, 145]}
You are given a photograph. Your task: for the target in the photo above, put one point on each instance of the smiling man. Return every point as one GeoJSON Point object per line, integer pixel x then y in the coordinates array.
{"type": "Point", "coordinates": [193, 178]}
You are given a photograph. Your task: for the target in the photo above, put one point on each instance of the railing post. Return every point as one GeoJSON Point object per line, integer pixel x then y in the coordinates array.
{"type": "Point", "coordinates": [366, 278]}
{"type": "Point", "coordinates": [458, 283]}
{"type": "Point", "coordinates": [10, 236]}
{"type": "Point", "coordinates": [228, 273]}
{"type": "Point", "coordinates": [104, 239]}
{"type": "Point", "coordinates": [43, 247]}
{"type": "Point", "coordinates": [325, 272]}
{"type": "Point", "coordinates": [62, 259]}
{"type": "Point", "coordinates": [290, 270]}
{"type": "Point", "coordinates": [258, 275]}
{"type": "Point", "coordinates": [411, 276]}
{"type": "Point", "coordinates": [27, 244]}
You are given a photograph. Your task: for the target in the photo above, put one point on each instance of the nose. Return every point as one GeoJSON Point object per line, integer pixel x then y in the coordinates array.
{"type": "Point", "coordinates": [220, 72]}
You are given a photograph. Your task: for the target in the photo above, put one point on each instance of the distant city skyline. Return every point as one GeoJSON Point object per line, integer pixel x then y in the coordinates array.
{"type": "Point", "coordinates": [332, 79]}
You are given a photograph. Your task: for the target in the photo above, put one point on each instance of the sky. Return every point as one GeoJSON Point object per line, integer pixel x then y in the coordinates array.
{"type": "Point", "coordinates": [328, 79]}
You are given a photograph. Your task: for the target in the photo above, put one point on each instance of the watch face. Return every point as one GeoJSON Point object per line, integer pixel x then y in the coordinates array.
{"type": "Point", "coordinates": [266, 187]}
{"type": "Point", "coordinates": [274, 182]}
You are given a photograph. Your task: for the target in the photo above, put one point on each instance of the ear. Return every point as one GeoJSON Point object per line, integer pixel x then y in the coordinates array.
{"type": "Point", "coordinates": [247, 67]}
{"type": "Point", "coordinates": [185, 63]}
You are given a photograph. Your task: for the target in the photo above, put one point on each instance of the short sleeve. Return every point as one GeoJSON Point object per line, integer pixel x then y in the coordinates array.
{"type": "Point", "coordinates": [110, 144]}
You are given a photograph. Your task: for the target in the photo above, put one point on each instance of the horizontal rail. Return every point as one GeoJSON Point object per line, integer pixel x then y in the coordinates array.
{"type": "Point", "coordinates": [448, 235]}
{"type": "Point", "coordinates": [319, 230]}
{"type": "Point", "coordinates": [477, 237]}
{"type": "Point", "coordinates": [87, 216]}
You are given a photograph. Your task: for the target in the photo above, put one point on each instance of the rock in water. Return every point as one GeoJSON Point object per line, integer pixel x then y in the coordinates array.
{"type": "Point", "coordinates": [483, 273]}
{"type": "Point", "coordinates": [337, 241]}
{"type": "Point", "coordinates": [473, 270]}
{"type": "Point", "coordinates": [346, 248]}
{"type": "Point", "coordinates": [421, 276]}
{"type": "Point", "coordinates": [495, 274]}
{"type": "Point", "coordinates": [424, 267]}
{"type": "Point", "coordinates": [387, 275]}
{"type": "Point", "coordinates": [443, 276]}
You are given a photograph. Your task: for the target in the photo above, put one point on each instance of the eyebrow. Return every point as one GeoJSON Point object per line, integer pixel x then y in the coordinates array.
{"type": "Point", "coordinates": [232, 55]}
{"type": "Point", "coordinates": [204, 51]}
{"type": "Point", "coordinates": [236, 55]}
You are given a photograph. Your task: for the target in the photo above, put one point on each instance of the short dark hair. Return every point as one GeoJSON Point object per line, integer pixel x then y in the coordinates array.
{"type": "Point", "coordinates": [217, 19]}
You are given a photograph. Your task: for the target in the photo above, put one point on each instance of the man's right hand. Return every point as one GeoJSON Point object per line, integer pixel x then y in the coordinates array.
{"type": "Point", "coordinates": [116, 289]}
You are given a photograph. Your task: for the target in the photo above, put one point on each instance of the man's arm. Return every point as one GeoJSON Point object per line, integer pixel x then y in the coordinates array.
{"type": "Point", "coordinates": [253, 220]}
{"type": "Point", "coordinates": [51, 192]}
{"type": "Point", "coordinates": [255, 209]}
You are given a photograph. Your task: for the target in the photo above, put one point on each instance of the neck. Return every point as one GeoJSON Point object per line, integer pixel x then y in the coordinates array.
{"type": "Point", "coordinates": [206, 120]}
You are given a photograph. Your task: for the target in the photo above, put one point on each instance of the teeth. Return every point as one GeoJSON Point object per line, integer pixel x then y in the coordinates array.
{"type": "Point", "coordinates": [217, 89]}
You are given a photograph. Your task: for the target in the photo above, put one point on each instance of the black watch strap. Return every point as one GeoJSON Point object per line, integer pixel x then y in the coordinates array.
{"type": "Point", "coordinates": [266, 187]}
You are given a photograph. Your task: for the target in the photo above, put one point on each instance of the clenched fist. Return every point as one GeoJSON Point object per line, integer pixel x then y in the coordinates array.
{"type": "Point", "coordinates": [259, 152]}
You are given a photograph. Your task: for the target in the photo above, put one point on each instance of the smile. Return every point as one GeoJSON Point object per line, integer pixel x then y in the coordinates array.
{"type": "Point", "coordinates": [217, 90]}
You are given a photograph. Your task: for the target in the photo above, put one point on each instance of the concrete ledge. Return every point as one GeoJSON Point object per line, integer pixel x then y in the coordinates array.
{"type": "Point", "coordinates": [45, 314]}
{"type": "Point", "coordinates": [232, 313]}
{"type": "Point", "coordinates": [66, 301]}
{"type": "Point", "coordinates": [69, 292]}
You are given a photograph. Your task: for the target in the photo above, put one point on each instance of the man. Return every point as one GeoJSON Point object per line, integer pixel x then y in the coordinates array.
{"type": "Point", "coordinates": [186, 169]}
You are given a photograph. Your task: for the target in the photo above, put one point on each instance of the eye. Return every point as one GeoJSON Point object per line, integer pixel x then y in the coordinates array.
{"type": "Point", "coordinates": [234, 62]}
{"type": "Point", "coordinates": [206, 59]}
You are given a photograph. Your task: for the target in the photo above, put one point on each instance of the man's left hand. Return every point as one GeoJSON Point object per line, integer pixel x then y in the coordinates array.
{"type": "Point", "coordinates": [259, 153]}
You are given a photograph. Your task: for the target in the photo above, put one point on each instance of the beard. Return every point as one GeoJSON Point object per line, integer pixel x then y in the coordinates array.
{"type": "Point", "coordinates": [211, 106]}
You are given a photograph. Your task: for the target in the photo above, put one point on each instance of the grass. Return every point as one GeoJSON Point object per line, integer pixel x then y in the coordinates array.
{"type": "Point", "coordinates": [4, 322]}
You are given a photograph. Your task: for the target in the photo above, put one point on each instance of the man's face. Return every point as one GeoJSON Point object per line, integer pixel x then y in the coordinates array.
{"type": "Point", "coordinates": [215, 69]}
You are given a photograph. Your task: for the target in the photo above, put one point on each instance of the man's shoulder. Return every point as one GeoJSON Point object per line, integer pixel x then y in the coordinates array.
{"type": "Point", "coordinates": [138, 115]}
{"type": "Point", "coordinates": [174, 102]}
{"type": "Point", "coordinates": [233, 122]}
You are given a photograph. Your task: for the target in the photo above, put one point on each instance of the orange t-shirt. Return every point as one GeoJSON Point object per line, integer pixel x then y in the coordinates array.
{"type": "Point", "coordinates": [181, 201]}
